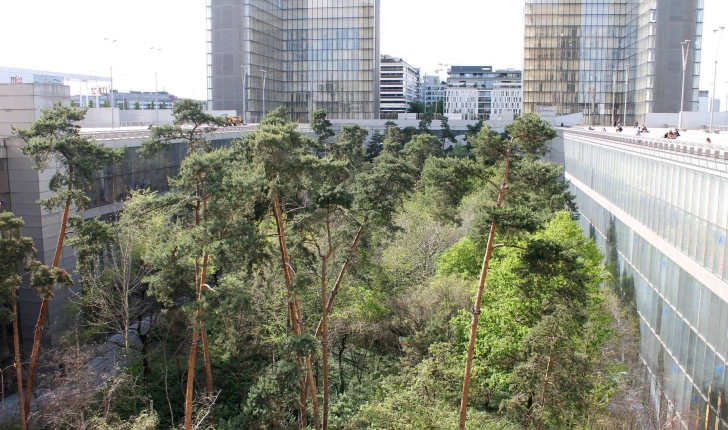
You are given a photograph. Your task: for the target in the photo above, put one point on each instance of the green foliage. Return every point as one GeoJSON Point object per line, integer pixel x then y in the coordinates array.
{"type": "Point", "coordinates": [420, 148]}
{"type": "Point", "coordinates": [15, 250]}
{"type": "Point", "coordinates": [416, 107]}
{"type": "Point", "coordinates": [474, 129]}
{"type": "Point", "coordinates": [425, 122]}
{"type": "Point", "coordinates": [90, 104]}
{"type": "Point", "coordinates": [382, 188]}
{"type": "Point", "coordinates": [322, 127]}
{"type": "Point", "coordinates": [137, 106]}
{"type": "Point", "coordinates": [446, 132]}
{"type": "Point", "coordinates": [398, 330]}
{"type": "Point", "coordinates": [144, 421]}
{"type": "Point", "coordinates": [106, 104]}
{"type": "Point", "coordinates": [349, 145]}
{"type": "Point", "coordinates": [55, 137]}
{"type": "Point", "coordinates": [375, 146]}
{"type": "Point", "coordinates": [462, 259]}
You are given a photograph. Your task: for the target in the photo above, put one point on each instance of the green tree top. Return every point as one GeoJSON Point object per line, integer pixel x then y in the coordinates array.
{"type": "Point", "coordinates": [191, 124]}
{"type": "Point", "coordinates": [279, 150]}
{"type": "Point", "coordinates": [322, 127]}
{"type": "Point", "coordinates": [55, 136]}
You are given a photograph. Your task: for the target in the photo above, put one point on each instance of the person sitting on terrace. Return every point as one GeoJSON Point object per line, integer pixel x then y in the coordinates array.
{"type": "Point", "coordinates": [677, 134]}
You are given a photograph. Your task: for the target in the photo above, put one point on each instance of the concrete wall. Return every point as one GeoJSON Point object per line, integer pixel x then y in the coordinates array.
{"type": "Point", "coordinates": [568, 120]}
{"type": "Point", "coordinates": [20, 105]}
{"type": "Point", "coordinates": [101, 117]}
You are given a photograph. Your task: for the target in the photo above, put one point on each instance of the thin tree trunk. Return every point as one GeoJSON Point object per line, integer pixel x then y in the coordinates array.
{"type": "Point", "coordinates": [546, 384]}
{"type": "Point", "coordinates": [341, 366]}
{"type": "Point", "coordinates": [342, 272]}
{"type": "Point", "coordinates": [340, 278]}
{"type": "Point", "coordinates": [189, 392]}
{"type": "Point", "coordinates": [18, 365]}
{"type": "Point", "coordinates": [208, 365]}
{"type": "Point", "coordinates": [325, 345]}
{"type": "Point", "coordinates": [295, 308]}
{"type": "Point", "coordinates": [479, 300]}
{"type": "Point", "coordinates": [205, 344]}
{"type": "Point", "coordinates": [44, 303]}
{"type": "Point", "coordinates": [302, 404]}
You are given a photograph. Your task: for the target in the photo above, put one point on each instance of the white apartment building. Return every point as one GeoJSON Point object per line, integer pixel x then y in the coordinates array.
{"type": "Point", "coordinates": [462, 103]}
{"type": "Point", "coordinates": [478, 92]}
{"type": "Point", "coordinates": [506, 97]}
{"type": "Point", "coordinates": [398, 85]}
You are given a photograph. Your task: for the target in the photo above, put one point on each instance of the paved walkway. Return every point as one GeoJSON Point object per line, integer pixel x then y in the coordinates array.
{"type": "Point", "coordinates": [696, 138]}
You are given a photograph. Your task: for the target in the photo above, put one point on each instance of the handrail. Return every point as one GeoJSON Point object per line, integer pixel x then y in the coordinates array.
{"type": "Point", "coordinates": [667, 145]}
{"type": "Point", "coordinates": [144, 134]}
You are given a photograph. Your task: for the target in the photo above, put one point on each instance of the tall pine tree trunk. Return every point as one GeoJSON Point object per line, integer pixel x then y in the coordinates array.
{"type": "Point", "coordinates": [18, 364]}
{"type": "Point", "coordinates": [189, 392]}
{"type": "Point", "coordinates": [44, 303]}
{"type": "Point", "coordinates": [479, 300]}
{"type": "Point", "coordinates": [325, 344]}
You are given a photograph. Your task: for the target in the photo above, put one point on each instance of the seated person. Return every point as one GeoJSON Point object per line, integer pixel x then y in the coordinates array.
{"type": "Point", "coordinates": [677, 134]}
{"type": "Point", "coordinates": [670, 135]}
{"type": "Point", "coordinates": [604, 129]}
{"type": "Point", "coordinates": [591, 128]}
{"type": "Point", "coordinates": [666, 136]}
{"type": "Point", "coordinates": [644, 129]}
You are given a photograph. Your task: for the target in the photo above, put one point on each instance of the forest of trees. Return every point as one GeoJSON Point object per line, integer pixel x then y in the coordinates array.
{"type": "Point", "coordinates": [334, 282]}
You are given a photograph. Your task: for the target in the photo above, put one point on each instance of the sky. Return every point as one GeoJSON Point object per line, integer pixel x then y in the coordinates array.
{"type": "Point", "coordinates": [68, 36]}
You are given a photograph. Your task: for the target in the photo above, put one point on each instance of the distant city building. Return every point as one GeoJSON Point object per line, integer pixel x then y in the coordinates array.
{"type": "Point", "coordinates": [704, 102]}
{"type": "Point", "coordinates": [13, 75]}
{"type": "Point", "coordinates": [462, 102]}
{"type": "Point", "coordinates": [583, 56]}
{"type": "Point", "coordinates": [433, 90]}
{"type": "Point", "coordinates": [145, 100]}
{"type": "Point", "coordinates": [300, 54]}
{"type": "Point", "coordinates": [477, 92]}
{"type": "Point", "coordinates": [398, 85]}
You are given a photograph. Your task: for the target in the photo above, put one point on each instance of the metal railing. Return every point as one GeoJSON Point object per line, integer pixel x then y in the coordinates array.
{"type": "Point", "coordinates": [685, 147]}
{"type": "Point", "coordinates": [144, 134]}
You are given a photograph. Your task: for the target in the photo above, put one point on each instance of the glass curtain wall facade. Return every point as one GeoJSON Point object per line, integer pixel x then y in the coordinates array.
{"type": "Point", "coordinates": [664, 226]}
{"type": "Point", "coordinates": [602, 57]}
{"type": "Point", "coordinates": [312, 54]}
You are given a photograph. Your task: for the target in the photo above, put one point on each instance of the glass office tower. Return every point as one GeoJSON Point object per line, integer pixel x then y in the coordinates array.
{"type": "Point", "coordinates": [600, 57]}
{"type": "Point", "coordinates": [303, 54]}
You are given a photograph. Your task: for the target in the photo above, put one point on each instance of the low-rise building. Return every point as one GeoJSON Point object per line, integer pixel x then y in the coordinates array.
{"type": "Point", "coordinates": [399, 83]}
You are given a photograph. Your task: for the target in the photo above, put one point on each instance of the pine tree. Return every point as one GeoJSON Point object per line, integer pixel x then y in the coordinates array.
{"type": "Point", "coordinates": [55, 136]}
{"type": "Point", "coordinates": [510, 170]}
{"type": "Point", "coordinates": [200, 172]}
{"type": "Point", "coordinates": [14, 250]}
